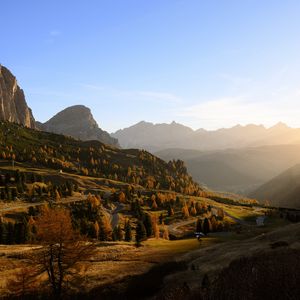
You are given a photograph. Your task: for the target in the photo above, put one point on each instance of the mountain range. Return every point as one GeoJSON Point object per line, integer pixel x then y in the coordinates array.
{"type": "Point", "coordinates": [156, 137]}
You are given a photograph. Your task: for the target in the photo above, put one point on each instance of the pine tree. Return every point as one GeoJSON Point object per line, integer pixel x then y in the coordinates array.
{"type": "Point", "coordinates": [120, 235]}
{"type": "Point", "coordinates": [3, 233]}
{"type": "Point", "coordinates": [161, 217]}
{"type": "Point", "coordinates": [148, 224]}
{"type": "Point", "coordinates": [206, 226]}
{"type": "Point", "coordinates": [128, 233]}
{"type": "Point", "coordinates": [115, 234]}
{"type": "Point", "coordinates": [10, 238]}
{"type": "Point", "coordinates": [141, 233]}
{"type": "Point", "coordinates": [199, 225]}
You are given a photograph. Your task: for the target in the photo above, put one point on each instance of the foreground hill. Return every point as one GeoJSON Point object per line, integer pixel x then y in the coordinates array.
{"type": "Point", "coordinates": [236, 170]}
{"type": "Point", "coordinates": [156, 137]}
{"type": "Point", "coordinates": [77, 121]}
{"type": "Point", "coordinates": [283, 190]}
{"type": "Point", "coordinates": [13, 106]}
{"type": "Point", "coordinates": [93, 158]}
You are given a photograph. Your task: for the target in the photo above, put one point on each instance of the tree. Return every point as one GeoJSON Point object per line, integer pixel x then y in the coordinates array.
{"type": "Point", "coordinates": [154, 205]}
{"type": "Point", "coordinates": [165, 232]}
{"type": "Point", "coordinates": [105, 233]}
{"type": "Point", "coordinates": [122, 197]}
{"type": "Point", "coordinates": [205, 282]}
{"type": "Point", "coordinates": [148, 224]}
{"type": "Point", "coordinates": [206, 226]}
{"type": "Point", "coordinates": [141, 233]}
{"type": "Point", "coordinates": [128, 233]}
{"type": "Point", "coordinates": [170, 211]}
{"type": "Point", "coordinates": [155, 227]}
{"type": "Point", "coordinates": [199, 225]}
{"type": "Point", "coordinates": [62, 249]}
{"type": "Point", "coordinates": [220, 213]}
{"type": "Point", "coordinates": [185, 211]}
{"type": "Point", "coordinates": [96, 229]}
{"type": "Point", "coordinates": [3, 232]}
{"type": "Point", "coordinates": [193, 211]}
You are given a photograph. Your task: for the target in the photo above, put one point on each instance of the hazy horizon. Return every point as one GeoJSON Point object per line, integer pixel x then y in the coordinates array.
{"type": "Point", "coordinates": [205, 65]}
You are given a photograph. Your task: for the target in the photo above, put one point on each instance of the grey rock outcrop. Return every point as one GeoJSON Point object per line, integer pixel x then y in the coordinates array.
{"type": "Point", "coordinates": [13, 106]}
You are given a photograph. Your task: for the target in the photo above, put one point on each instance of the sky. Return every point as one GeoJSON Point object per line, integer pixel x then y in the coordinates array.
{"type": "Point", "coordinates": [205, 64]}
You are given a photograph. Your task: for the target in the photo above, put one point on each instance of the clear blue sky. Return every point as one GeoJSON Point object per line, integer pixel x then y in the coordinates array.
{"type": "Point", "coordinates": [201, 63]}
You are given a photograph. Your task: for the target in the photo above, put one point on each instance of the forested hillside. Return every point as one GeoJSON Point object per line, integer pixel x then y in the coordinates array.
{"type": "Point", "coordinates": [93, 158]}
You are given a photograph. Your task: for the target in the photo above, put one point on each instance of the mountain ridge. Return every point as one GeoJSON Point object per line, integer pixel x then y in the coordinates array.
{"type": "Point", "coordinates": [156, 137]}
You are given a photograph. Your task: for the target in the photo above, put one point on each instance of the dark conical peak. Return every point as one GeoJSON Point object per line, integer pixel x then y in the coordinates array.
{"type": "Point", "coordinates": [78, 121]}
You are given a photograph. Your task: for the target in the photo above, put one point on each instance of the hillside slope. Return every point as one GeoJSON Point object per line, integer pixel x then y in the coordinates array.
{"type": "Point", "coordinates": [93, 158]}
{"type": "Point", "coordinates": [236, 170]}
{"type": "Point", "coordinates": [283, 190]}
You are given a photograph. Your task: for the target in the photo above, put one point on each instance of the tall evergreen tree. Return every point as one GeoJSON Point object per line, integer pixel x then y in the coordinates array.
{"type": "Point", "coordinates": [148, 225]}
{"type": "Point", "coordinates": [141, 233]}
{"type": "Point", "coordinates": [199, 225]}
{"type": "Point", "coordinates": [206, 228]}
{"type": "Point", "coordinates": [10, 238]}
{"type": "Point", "coordinates": [128, 233]}
{"type": "Point", "coordinates": [3, 233]}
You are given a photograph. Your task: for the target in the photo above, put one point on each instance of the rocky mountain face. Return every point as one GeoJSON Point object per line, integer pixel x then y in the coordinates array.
{"type": "Point", "coordinates": [13, 106]}
{"type": "Point", "coordinates": [77, 121]}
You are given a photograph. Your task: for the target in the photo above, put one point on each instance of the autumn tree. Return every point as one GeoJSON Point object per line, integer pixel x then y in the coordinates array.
{"type": "Point", "coordinates": [165, 232]}
{"type": "Point", "coordinates": [62, 249]}
{"type": "Point", "coordinates": [105, 233]}
{"type": "Point", "coordinates": [185, 211]}
{"type": "Point", "coordinates": [122, 197]}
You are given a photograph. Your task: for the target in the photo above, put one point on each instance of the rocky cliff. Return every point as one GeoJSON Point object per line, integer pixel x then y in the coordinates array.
{"type": "Point", "coordinates": [13, 106]}
{"type": "Point", "coordinates": [77, 121]}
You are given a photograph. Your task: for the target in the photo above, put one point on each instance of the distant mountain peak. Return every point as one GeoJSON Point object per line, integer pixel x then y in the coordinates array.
{"type": "Point", "coordinates": [77, 121]}
{"type": "Point", "coordinates": [279, 125]}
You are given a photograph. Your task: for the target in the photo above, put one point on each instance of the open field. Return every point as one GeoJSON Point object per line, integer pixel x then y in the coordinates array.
{"type": "Point", "coordinates": [114, 262]}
